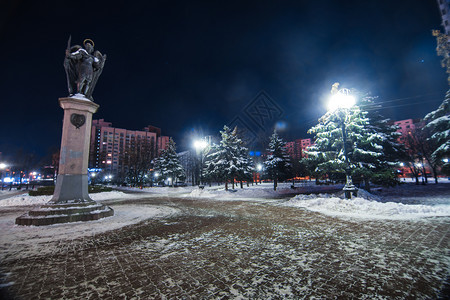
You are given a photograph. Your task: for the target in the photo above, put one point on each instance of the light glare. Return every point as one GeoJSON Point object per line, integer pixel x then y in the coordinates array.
{"type": "Point", "coordinates": [340, 100]}
{"type": "Point", "coordinates": [200, 144]}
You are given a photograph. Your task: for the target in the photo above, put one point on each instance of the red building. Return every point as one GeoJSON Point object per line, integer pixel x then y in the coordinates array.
{"type": "Point", "coordinates": [296, 149]}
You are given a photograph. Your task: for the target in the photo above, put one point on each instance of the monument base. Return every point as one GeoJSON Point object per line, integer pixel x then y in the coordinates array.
{"type": "Point", "coordinates": [65, 213]}
{"type": "Point", "coordinates": [71, 189]}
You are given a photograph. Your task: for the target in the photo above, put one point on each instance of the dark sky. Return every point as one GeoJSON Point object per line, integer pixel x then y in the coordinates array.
{"type": "Point", "coordinates": [186, 65]}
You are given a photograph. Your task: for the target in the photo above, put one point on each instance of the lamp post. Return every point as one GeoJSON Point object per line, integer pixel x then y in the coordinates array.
{"type": "Point", "coordinates": [2, 167]}
{"type": "Point", "coordinates": [340, 102]}
{"type": "Point", "coordinates": [200, 146]}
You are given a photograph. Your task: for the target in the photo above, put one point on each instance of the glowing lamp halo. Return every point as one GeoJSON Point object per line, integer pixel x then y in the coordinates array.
{"type": "Point", "coordinates": [200, 144]}
{"type": "Point", "coordinates": [341, 100]}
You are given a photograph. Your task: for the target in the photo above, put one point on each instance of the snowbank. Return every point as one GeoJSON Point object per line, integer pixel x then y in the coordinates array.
{"type": "Point", "coordinates": [22, 240]}
{"type": "Point", "coordinates": [25, 199]}
{"type": "Point", "coordinates": [366, 209]}
{"type": "Point", "coordinates": [236, 194]}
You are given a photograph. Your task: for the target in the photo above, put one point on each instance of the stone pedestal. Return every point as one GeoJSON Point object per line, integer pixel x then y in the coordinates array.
{"type": "Point", "coordinates": [71, 201]}
{"type": "Point", "coordinates": [72, 181]}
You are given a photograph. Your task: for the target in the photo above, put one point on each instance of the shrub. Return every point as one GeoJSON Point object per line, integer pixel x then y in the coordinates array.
{"type": "Point", "coordinates": [42, 191]}
{"type": "Point", "coordinates": [386, 178]}
{"type": "Point", "coordinates": [49, 190]}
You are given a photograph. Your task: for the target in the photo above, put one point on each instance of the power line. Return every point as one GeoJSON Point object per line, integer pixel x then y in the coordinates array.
{"type": "Point", "coordinates": [405, 98]}
{"type": "Point", "coordinates": [400, 105]}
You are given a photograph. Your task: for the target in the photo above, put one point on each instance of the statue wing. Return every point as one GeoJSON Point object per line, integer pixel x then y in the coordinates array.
{"type": "Point", "coordinates": [99, 63]}
{"type": "Point", "coordinates": [71, 71]}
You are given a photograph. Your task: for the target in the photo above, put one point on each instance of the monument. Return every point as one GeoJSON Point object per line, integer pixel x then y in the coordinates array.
{"type": "Point", "coordinates": [71, 201]}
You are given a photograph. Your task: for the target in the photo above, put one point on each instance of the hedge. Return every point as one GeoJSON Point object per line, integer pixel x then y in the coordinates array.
{"type": "Point", "coordinates": [49, 190]}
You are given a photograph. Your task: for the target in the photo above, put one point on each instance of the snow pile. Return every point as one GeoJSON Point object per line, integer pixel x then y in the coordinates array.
{"type": "Point", "coordinates": [22, 241]}
{"type": "Point", "coordinates": [363, 208]}
{"type": "Point", "coordinates": [25, 199]}
{"type": "Point", "coordinates": [236, 194]}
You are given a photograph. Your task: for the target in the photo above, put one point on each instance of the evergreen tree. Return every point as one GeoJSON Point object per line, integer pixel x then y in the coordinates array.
{"type": "Point", "coordinates": [386, 130]}
{"type": "Point", "coordinates": [169, 165]}
{"type": "Point", "coordinates": [364, 144]}
{"type": "Point", "coordinates": [385, 134]}
{"type": "Point", "coordinates": [245, 163]}
{"type": "Point", "coordinates": [211, 171]}
{"type": "Point", "coordinates": [228, 160]}
{"type": "Point", "coordinates": [277, 162]}
{"type": "Point", "coordinates": [438, 125]}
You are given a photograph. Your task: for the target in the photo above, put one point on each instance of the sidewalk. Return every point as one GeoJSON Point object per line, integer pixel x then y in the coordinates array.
{"type": "Point", "coordinates": [223, 249]}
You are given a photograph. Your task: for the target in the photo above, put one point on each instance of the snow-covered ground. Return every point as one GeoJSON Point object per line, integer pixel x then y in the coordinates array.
{"type": "Point", "coordinates": [27, 200]}
{"type": "Point", "coordinates": [404, 202]}
{"type": "Point", "coordinates": [367, 209]}
{"type": "Point", "coordinates": [261, 246]}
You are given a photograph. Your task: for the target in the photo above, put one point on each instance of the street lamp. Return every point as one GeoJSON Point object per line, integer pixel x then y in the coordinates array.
{"type": "Point", "coordinates": [200, 146]}
{"type": "Point", "coordinates": [2, 167]}
{"type": "Point", "coordinates": [341, 101]}
{"type": "Point", "coordinates": [259, 168]}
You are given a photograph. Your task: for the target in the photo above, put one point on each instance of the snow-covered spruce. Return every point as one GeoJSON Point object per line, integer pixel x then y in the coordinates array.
{"type": "Point", "coordinates": [168, 164]}
{"type": "Point", "coordinates": [228, 160]}
{"type": "Point", "coordinates": [438, 125]}
{"type": "Point", "coordinates": [371, 143]}
{"type": "Point", "coordinates": [277, 162]}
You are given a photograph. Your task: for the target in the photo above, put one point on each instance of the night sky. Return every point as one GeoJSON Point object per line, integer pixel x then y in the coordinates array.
{"type": "Point", "coordinates": [188, 66]}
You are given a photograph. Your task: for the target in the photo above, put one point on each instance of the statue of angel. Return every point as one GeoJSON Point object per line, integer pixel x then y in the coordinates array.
{"type": "Point", "coordinates": [83, 68]}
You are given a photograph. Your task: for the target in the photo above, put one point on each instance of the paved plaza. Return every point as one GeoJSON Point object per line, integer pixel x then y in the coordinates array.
{"type": "Point", "coordinates": [206, 249]}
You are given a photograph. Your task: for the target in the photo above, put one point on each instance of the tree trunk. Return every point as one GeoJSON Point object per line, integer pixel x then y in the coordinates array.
{"type": "Point", "coordinates": [226, 185]}
{"type": "Point", "coordinates": [424, 172]}
{"type": "Point", "coordinates": [435, 175]}
{"type": "Point", "coordinates": [242, 185]}
{"type": "Point", "coordinates": [275, 184]}
{"type": "Point", "coordinates": [233, 183]}
{"type": "Point", "coordinates": [417, 178]}
{"type": "Point", "coordinates": [367, 184]}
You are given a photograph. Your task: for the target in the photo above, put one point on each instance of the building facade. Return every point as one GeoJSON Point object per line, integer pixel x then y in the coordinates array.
{"type": "Point", "coordinates": [296, 149]}
{"type": "Point", "coordinates": [113, 149]}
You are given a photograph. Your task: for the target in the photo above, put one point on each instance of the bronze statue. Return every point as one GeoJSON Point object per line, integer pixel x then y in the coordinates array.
{"type": "Point", "coordinates": [83, 68]}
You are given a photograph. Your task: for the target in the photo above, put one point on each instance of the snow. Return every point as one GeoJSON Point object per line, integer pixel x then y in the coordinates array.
{"type": "Point", "coordinates": [17, 238]}
{"type": "Point", "coordinates": [26, 200]}
{"type": "Point", "coordinates": [401, 204]}
{"type": "Point", "coordinates": [361, 208]}
{"type": "Point", "coordinates": [80, 97]}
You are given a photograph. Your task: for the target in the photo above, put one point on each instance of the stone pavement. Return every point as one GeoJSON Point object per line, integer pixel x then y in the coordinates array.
{"type": "Point", "coordinates": [235, 249]}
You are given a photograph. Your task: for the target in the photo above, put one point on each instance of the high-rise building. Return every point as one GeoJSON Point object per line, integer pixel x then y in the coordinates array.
{"type": "Point", "coordinates": [296, 149]}
{"type": "Point", "coordinates": [110, 146]}
{"type": "Point", "coordinates": [406, 127]}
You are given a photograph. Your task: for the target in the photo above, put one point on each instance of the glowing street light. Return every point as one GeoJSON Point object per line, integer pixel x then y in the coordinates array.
{"type": "Point", "coordinates": [341, 101]}
{"type": "Point", "coordinates": [259, 168]}
{"type": "Point", "coordinates": [200, 146]}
